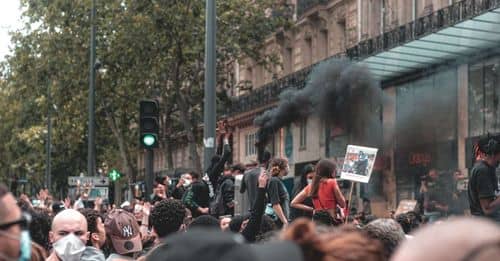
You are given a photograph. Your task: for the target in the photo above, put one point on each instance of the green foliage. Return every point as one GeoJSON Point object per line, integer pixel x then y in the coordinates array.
{"type": "Point", "coordinates": [151, 48]}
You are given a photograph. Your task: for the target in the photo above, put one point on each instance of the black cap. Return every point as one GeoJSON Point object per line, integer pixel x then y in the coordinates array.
{"type": "Point", "coordinates": [209, 245]}
{"type": "Point", "coordinates": [57, 207]}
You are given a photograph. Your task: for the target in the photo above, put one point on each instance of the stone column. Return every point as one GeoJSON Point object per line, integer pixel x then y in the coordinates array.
{"type": "Point", "coordinates": [463, 114]}
{"type": "Point", "coordinates": [389, 131]}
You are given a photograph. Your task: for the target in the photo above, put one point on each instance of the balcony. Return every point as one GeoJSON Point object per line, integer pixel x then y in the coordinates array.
{"type": "Point", "coordinates": [305, 5]}
{"type": "Point", "coordinates": [454, 32]}
{"type": "Point", "coordinates": [269, 93]}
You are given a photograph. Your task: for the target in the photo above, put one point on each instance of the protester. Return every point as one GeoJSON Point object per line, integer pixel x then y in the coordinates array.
{"type": "Point", "coordinates": [123, 235]}
{"type": "Point", "coordinates": [197, 197]}
{"type": "Point", "coordinates": [184, 182]}
{"type": "Point", "coordinates": [456, 239]}
{"type": "Point", "coordinates": [225, 191]}
{"type": "Point", "coordinates": [205, 222]}
{"type": "Point", "coordinates": [57, 206]}
{"type": "Point", "coordinates": [251, 179]}
{"type": "Point", "coordinates": [82, 201]}
{"type": "Point", "coordinates": [324, 191]}
{"type": "Point", "coordinates": [409, 221]}
{"type": "Point", "coordinates": [159, 193]}
{"type": "Point", "coordinates": [387, 231]}
{"type": "Point", "coordinates": [304, 179]}
{"type": "Point", "coordinates": [346, 243]}
{"type": "Point", "coordinates": [95, 224]}
{"type": "Point", "coordinates": [209, 245]}
{"type": "Point", "coordinates": [216, 167]}
{"type": "Point", "coordinates": [167, 217]}
{"type": "Point", "coordinates": [459, 194]}
{"type": "Point", "coordinates": [14, 236]}
{"type": "Point", "coordinates": [435, 196]}
{"type": "Point", "coordinates": [69, 236]}
{"type": "Point", "coordinates": [279, 201]}
{"type": "Point", "coordinates": [40, 227]}
{"type": "Point", "coordinates": [483, 182]}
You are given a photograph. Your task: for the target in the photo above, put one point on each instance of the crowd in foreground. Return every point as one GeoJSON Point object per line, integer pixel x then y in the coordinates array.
{"type": "Point", "coordinates": [194, 219]}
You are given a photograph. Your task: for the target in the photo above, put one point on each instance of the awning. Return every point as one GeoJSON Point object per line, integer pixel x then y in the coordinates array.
{"type": "Point", "coordinates": [456, 32]}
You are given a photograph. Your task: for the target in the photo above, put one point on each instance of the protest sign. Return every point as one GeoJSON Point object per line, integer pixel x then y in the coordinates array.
{"type": "Point", "coordinates": [358, 163]}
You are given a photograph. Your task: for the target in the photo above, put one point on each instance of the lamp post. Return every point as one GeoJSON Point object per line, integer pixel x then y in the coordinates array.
{"type": "Point", "coordinates": [210, 72]}
{"type": "Point", "coordinates": [92, 69]}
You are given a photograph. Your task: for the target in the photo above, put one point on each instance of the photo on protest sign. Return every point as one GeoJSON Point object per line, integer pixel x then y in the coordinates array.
{"type": "Point", "coordinates": [358, 163]}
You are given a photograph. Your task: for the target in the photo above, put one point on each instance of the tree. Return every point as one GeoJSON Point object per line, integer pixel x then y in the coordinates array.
{"type": "Point", "coordinates": [152, 48]}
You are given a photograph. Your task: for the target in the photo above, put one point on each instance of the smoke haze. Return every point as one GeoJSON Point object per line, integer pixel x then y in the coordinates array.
{"type": "Point", "coordinates": [338, 92]}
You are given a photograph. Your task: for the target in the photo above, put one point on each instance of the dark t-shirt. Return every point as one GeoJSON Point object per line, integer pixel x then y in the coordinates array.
{"type": "Point", "coordinates": [250, 184]}
{"type": "Point", "coordinates": [200, 193]}
{"type": "Point", "coordinates": [483, 184]}
{"type": "Point", "coordinates": [277, 193]}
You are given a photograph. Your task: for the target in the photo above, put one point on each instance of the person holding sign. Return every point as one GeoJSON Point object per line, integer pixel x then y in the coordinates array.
{"type": "Point", "coordinates": [324, 191]}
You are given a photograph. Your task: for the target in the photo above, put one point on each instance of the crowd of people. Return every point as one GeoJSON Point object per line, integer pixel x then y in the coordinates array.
{"type": "Point", "coordinates": [193, 219]}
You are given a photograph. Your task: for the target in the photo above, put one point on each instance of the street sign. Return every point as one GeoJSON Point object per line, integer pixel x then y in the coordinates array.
{"type": "Point", "coordinates": [92, 181]}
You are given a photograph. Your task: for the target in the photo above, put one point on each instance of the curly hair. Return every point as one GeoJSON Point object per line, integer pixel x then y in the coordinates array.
{"type": "Point", "coordinates": [167, 216]}
{"type": "Point", "coordinates": [387, 231]}
{"type": "Point", "coordinates": [40, 226]}
{"type": "Point", "coordinates": [91, 216]}
{"type": "Point", "coordinates": [277, 165]}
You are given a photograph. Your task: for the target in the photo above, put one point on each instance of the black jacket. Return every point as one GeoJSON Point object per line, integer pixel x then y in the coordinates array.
{"type": "Point", "coordinates": [226, 190]}
{"type": "Point", "coordinates": [215, 170]}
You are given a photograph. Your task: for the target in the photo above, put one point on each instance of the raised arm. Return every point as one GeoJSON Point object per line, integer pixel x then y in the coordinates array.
{"type": "Point", "coordinates": [298, 201]}
{"type": "Point", "coordinates": [253, 227]}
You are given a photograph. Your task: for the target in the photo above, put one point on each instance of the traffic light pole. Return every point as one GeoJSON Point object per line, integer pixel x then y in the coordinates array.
{"type": "Point", "coordinates": [91, 134]}
{"type": "Point", "coordinates": [209, 117]}
{"type": "Point", "coordinates": [149, 173]}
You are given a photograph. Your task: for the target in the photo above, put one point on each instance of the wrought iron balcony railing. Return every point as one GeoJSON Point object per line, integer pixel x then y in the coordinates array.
{"type": "Point", "coordinates": [269, 93]}
{"type": "Point", "coordinates": [305, 5]}
{"type": "Point", "coordinates": [448, 16]}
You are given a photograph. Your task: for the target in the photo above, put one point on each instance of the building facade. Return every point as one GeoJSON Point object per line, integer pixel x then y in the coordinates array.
{"type": "Point", "coordinates": [438, 67]}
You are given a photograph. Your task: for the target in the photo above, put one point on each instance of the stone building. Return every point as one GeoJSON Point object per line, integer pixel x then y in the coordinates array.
{"type": "Point", "coordinates": [437, 62]}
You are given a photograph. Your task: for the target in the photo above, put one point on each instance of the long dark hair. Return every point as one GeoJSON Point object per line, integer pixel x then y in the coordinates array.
{"type": "Point", "coordinates": [324, 170]}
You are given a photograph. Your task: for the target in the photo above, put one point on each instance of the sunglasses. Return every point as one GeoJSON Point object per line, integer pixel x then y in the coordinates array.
{"type": "Point", "coordinates": [24, 222]}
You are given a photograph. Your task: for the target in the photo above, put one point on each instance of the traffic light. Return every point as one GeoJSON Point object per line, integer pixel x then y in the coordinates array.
{"type": "Point", "coordinates": [114, 175]}
{"type": "Point", "coordinates": [149, 125]}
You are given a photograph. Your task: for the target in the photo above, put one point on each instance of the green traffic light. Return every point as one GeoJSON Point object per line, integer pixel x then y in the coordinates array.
{"type": "Point", "coordinates": [148, 140]}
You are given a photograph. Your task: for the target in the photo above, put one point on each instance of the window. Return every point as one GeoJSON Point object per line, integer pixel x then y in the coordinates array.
{"type": "Point", "coordinates": [484, 97]}
{"type": "Point", "coordinates": [323, 40]}
{"type": "Point", "coordinates": [308, 54]}
{"type": "Point", "coordinates": [250, 145]}
{"type": "Point", "coordinates": [288, 60]}
{"type": "Point", "coordinates": [303, 134]}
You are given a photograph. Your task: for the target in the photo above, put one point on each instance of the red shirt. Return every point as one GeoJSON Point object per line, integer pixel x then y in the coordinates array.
{"type": "Point", "coordinates": [326, 194]}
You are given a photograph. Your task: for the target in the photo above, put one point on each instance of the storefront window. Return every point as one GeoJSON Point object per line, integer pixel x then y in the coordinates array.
{"type": "Point", "coordinates": [484, 92]}
{"type": "Point", "coordinates": [426, 130]}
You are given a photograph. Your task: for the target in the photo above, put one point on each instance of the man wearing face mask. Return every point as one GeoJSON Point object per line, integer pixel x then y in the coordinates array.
{"type": "Point", "coordinates": [181, 187]}
{"type": "Point", "coordinates": [69, 236]}
{"type": "Point", "coordinates": [14, 235]}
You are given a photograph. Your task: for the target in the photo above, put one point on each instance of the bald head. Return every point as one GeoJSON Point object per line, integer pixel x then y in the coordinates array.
{"type": "Point", "coordinates": [69, 221]}
{"type": "Point", "coordinates": [456, 239]}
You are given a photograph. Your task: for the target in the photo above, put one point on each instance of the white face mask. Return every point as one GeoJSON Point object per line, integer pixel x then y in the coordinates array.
{"type": "Point", "coordinates": [187, 182]}
{"type": "Point", "coordinates": [309, 181]}
{"type": "Point", "coordinates": [69, 248]}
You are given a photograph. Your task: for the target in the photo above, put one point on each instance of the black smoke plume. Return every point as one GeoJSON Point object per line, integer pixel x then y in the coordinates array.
{"type": "Point", "coordinates": [338, 92]}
